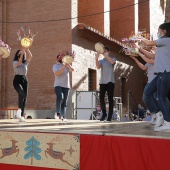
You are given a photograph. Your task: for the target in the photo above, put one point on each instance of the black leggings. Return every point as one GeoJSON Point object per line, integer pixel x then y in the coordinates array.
{"type": "Point", "coordinates": [109, 88]}
{"type": "Point", "coordinates": [20, 84]}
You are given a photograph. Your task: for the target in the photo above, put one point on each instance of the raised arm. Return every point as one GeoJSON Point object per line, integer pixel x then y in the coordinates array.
{"type": "Point", "coordinates": [29, 57]}
{"type": "Point", "coordinates": [108, 58]}
{"type": "Point", "coordinates": [97, 60]}
{"type": "Point", "coordinates": [21, 57]}
{"type": "Point", "coordinates": [146, 59]}
{"type": "Point", "coordinates": [145, 52]}
{"type": "Point", "coordinates": [148, 42]}
{"type": "Point", "coordinates": [70, 67]}
{"type": "Point", "coordinates": [143, 67]}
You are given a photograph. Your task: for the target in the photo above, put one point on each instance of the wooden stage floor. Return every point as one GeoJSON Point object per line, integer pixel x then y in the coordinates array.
{"type": "Point", "coordinates": [93, 127]}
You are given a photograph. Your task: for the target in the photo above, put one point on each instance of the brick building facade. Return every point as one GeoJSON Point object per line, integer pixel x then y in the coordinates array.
{"type": "Point", "coordinates": [167, 14]}
{"type": "Point", "coordinates": [51, 19]}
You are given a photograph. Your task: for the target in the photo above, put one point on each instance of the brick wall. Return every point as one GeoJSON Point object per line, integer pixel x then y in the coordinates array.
{"type": "Point", "coordinates": [121, 20]}
{"type": "Point", "coordinates": [144, 15]}
{"type": "Point", "coordinates": [167, 14]}
{"type": "Point", "coordinates": [52, 36]}
{"type": "Point", "coordinates": [87, 7]}
{"type": "Point", "coordinates": [3, 62]}
{"type": "Point", "coordinates": [1, 59]}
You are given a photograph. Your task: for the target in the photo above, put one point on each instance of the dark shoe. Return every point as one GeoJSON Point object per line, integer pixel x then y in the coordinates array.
{"type": "Point", "coordinates": [103, 118]}
{"type": "Point", "coordinates": [109, 119]}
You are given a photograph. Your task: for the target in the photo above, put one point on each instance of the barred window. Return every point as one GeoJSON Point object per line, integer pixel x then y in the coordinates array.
{"type": "Point", "coordinates": [91, 79]}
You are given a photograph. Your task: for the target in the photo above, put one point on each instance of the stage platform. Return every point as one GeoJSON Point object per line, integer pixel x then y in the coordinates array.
{"type": "Point", "coordinates": [82, 144]}
{"type": "Point", "coordinates": [91, 127]}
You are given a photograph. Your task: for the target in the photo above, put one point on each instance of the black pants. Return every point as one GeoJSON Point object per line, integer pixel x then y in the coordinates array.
{"type": "Point", "coordinates": [168, 95]}
{"type": "Point", "coordinates": [20, 84]}
{"type": "Point", "coordinates": [109, 88]}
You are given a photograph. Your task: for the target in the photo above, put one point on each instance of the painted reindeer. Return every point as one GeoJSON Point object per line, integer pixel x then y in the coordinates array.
{"type": "Point", "coordinates": [11, 150]}
{"type": "Point", "coordinates": [55, 154]}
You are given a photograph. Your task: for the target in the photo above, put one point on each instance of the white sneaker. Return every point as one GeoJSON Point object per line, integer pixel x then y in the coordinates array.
{"type": "Point", "coordinates": [153, 119]}
{"type": "Point", "coordinates": [56, 116]}
{"type": "Point", "coordinates": [159, 119]}
{"type": "Point", "coordinates": [63, 119]}
{"type": "Point", "coordinates": [18, 114]}
{"type": "Point", "coordinates": [22, 119]}
{"type": "Point", "coordinates": [164, 126]}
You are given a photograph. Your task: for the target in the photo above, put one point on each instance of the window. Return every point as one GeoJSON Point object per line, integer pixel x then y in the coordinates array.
{"type": "Point", "coordinates": [91, 79]}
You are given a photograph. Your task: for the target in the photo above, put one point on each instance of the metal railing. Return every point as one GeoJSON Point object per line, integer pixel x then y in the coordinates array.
{"type": "Point", "coordinates": [118, 103]}
{"type": "Point", "coordinates": [128, 104]}
{"type": "Point", "coordinates": [94, 98]}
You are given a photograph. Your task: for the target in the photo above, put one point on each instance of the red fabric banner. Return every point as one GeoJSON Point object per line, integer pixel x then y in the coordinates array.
{"type": "Point", "coordinates": [123, 153]}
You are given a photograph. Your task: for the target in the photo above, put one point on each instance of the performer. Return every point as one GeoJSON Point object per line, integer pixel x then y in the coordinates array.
{"type": "Point", "coordinates": [149, 67]}
{"type": "Point", "coordinates": [20, 82]}
{"type": "Point", "coordinates": [61, 87]}
{"type": "Point", "coordinates": [161, 83]}
{"type": "Point", "coordinates": [106, 81]}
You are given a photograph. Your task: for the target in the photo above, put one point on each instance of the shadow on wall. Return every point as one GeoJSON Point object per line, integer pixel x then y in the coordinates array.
{"type": "Point", "coordinates": [122, 70]}
{"type": "Point", "coordinates": [163, 5]}
{"type": "Point", "coordinates": [77, 85]}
